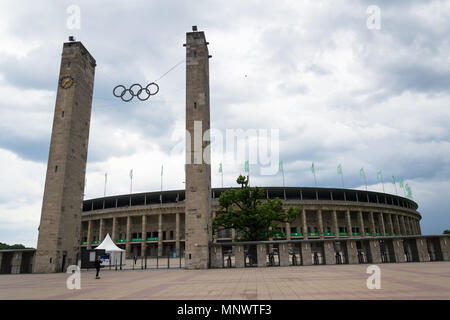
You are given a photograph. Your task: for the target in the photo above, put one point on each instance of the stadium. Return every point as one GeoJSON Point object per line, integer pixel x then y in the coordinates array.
{"type": "Point", "coordinates": [152, 224]}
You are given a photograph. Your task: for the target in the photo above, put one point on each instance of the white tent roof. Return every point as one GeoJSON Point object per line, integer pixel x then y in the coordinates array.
{"type": "Point", "coordinates": [108, 245]}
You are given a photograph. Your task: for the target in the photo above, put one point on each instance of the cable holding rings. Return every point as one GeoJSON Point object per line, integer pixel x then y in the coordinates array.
{"type": "Point", "coordinates": [136, 90]}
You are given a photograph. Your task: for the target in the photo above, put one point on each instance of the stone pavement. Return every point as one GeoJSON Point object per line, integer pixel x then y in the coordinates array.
{"type": "Point", "coordinates": [398, 281]}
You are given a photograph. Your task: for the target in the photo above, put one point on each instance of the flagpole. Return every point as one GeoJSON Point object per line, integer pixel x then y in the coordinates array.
{"type": "Point", "coordinates": [382, 183]}
{"type": "Point", "coordinates": [342, 177]}
{"type": "Point", "coordinates": [104, 190]}
{"type": "Point", "coordinates": [365, 180]}
{"type": "Point", "coordinates": [131, 181]}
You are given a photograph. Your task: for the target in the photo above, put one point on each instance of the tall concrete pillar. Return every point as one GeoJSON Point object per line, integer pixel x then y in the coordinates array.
{"type": "Point", "coordinates": [320, 223]}
{"type": "Point", "coordinates": [330, 257]}
{"type": "Point", "coordinates": [198, 153]}
{"type": "Point", "coordinates": [445, 248]}
{"type": "Point", "coordinates": [306, 253]}
{"type": "Point", "coordinates": [375, 253]}
{"type": "Point", "coordinates": [305, 226]}
{"type": "Point", "coordinates": [288, 230]}
{"type": "Point", "coordinates": [128, 243]}
{"type": "Point", "coordinates": [398, 250]}
{"type": "Point", "coordinates": [397, 225]}
{"type": "Point", "coordinates": [177, 235]}
{"type": "Point", "coordinates": [216, 256]}
{"type": "Point", "coordinates": [239, 256]}
{"type": "Point", "coordinates": [89, 235]}
{"type": "Point", "coordinates": [422, 250]}
{"type": "Point", "coordinates": [261, 255]}
{"type": "Point", "coordinates": [418, 228]}
{"type": "Point", "coordinates": [144, 235]}
{"type": "Point", "coordinates": [160, 235]}
{"type": "Point", "coordinates": [403, 225]}
{"type": "Point", "coordinates": [335, 224]}
{"type": "Point", "coordinates": [283, 251]}
{"type": "Point", "coordinates": [101, 231]}
{"type": "Point", "coordinates": [389, 223]}
{"type": "Point", "coordinates": [382, 225]}
{"type": "Point", "coordinates": [372, 224]}
{"type": "Point", "coordinates": [59, 231]}
{"type": "Point", "coordinates": [114, 229]}
{"type": "Point", "coordinates": [349, 223]}
{"type": "Point", "coordinates": [361, 223]}
{"type": "Point", "coordinates": [352, 252]}
{"type": "Point", "coordinates": [17, 262]}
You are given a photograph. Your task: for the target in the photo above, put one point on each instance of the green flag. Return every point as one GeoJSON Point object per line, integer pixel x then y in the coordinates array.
{"type": "Point", "coordinates": [246, 166]}
{"type": "Point", "coordinates": [401, 183]}
{"type": "Point", "coordinates": [280, 166]}
{"type": "Point", "coordinates": [408, 190]}
{"type": "Point", "coordinates": [339, 169]}
{"type": "Point", "coordinates": [220, 168]}
{"type": "Point", "coordinates": [379, 177]}
{"type": "Point", "coordinates": [393, 179]}
{"type": "Point", "coordinates": [361, 172]}
{"type": "Point", "coordinates": [312, 167]}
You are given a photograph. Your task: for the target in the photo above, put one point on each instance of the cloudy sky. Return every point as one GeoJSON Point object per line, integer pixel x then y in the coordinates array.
{"type": "Point", "coordinates": [338, 91]}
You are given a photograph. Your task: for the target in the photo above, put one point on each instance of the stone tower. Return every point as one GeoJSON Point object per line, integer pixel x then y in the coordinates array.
{"type": "Point", "coordinates": [59, 230]}
{"type": "Point", "coordinates": [198, 155]}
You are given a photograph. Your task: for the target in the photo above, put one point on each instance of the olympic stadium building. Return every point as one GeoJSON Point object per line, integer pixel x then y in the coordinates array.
{"type": "Point", "coordinates": [332, 221]}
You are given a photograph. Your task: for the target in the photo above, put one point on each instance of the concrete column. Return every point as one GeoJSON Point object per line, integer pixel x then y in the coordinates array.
{"type": "Point", "coordinates": [352, 252]}
{"type": "Point", "coordinates": [160, 241]}
{"type": "Point", "coordinates": [283, 251]}
{"type": "Point", "coordinates": [390, 225]}
{"type": "Point", "coordinates": [398, 251]}
{"type": "Point", "coordinates": [383, 227]}
{"type": "Point", "coordinates": [261, 255]}
{"type": "Point", "coordinates": [414, 224]}
{"type": "Point", "coordinates": [128, 243]}
{"type": "Point", "coordinates": [144, 235]}
{"type": "Point", "coordinates": [89, 235]}
{"type": "Point", "coordinates": [403, 225]}
{"type": "Point", "coordinates": [375, 253]}
{"type": "Point", "coordinates": [305, 227]}
{"type": "Point", "coordinates": [288, 231]}
{"type": "Point", "coordinates": [361, 223]}
{"type": "Point", "coordinates": [114, 230]}
{"type": "Point", "coordinates": [320, 220]}
{"type": "Point", "coordinates": [422, 249]}
{"type": "Point", "coordinates": [445, 248]}
{"type": "Point", "coordinates": [239, 256]}
{"type": "Point", "coordinates": [418, 227]}
{"type": "Point", "coordinates": [16, 262]}
{"type": "Point", "coordinates": [177, 235]}
{"type": "Point", "coordinates": [335, 224]}
{"type": "Point", "coordinates": [101, 233]}
{"type": "Point", "coordinates": [372, 224]}
{"type": "Point", "coordinates": [306, 253]}
{"type": "Point", "coordinates": [216, 257]}
{"type": "Point", "coordinates": [330, 256]}
{"type": "Point", "coordinates": [233, 234]}
{"type": "Point", "coordinates": [349, 223]}
{"type": "Point", "coordinates": [397, 225]}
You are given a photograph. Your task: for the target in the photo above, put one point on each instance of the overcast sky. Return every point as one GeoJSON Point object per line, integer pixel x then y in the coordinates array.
{"type": "Point", "coordinates": [338, 91]}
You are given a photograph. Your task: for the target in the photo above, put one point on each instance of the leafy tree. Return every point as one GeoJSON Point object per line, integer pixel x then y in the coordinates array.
{"type": "Point", "coordinates": [4, 246]}
{"type": "Point", "coordinates": [446, 231]}
{"type": "Point", "coordinates": [255, 220]}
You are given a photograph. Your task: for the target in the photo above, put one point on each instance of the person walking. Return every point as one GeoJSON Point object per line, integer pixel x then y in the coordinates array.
{"type": "Point", "coordinates": [98, 264]}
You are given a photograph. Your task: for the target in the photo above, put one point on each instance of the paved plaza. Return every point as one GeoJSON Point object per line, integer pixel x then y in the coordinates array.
{"type": "Point", "coordinates": [398, 281]}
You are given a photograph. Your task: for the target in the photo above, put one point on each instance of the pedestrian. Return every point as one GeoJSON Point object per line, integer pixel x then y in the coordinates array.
{"type": "Point", "coordinates": [98, 264]}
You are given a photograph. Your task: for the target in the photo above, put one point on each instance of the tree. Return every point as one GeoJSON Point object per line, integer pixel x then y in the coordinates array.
{"type": "Point", "coordinates": [255, 220]}
{"type": "Point", "coordinates": [446, 231]}
{"type": "Point", "coordinates": [4, 246]}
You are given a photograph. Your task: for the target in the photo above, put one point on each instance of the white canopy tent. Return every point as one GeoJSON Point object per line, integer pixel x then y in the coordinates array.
{"type": "Point", "coordinates": [115, 253]}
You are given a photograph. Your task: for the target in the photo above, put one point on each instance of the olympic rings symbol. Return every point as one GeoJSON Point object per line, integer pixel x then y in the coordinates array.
{"type": "Point", "coordinates": [136, 90]}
